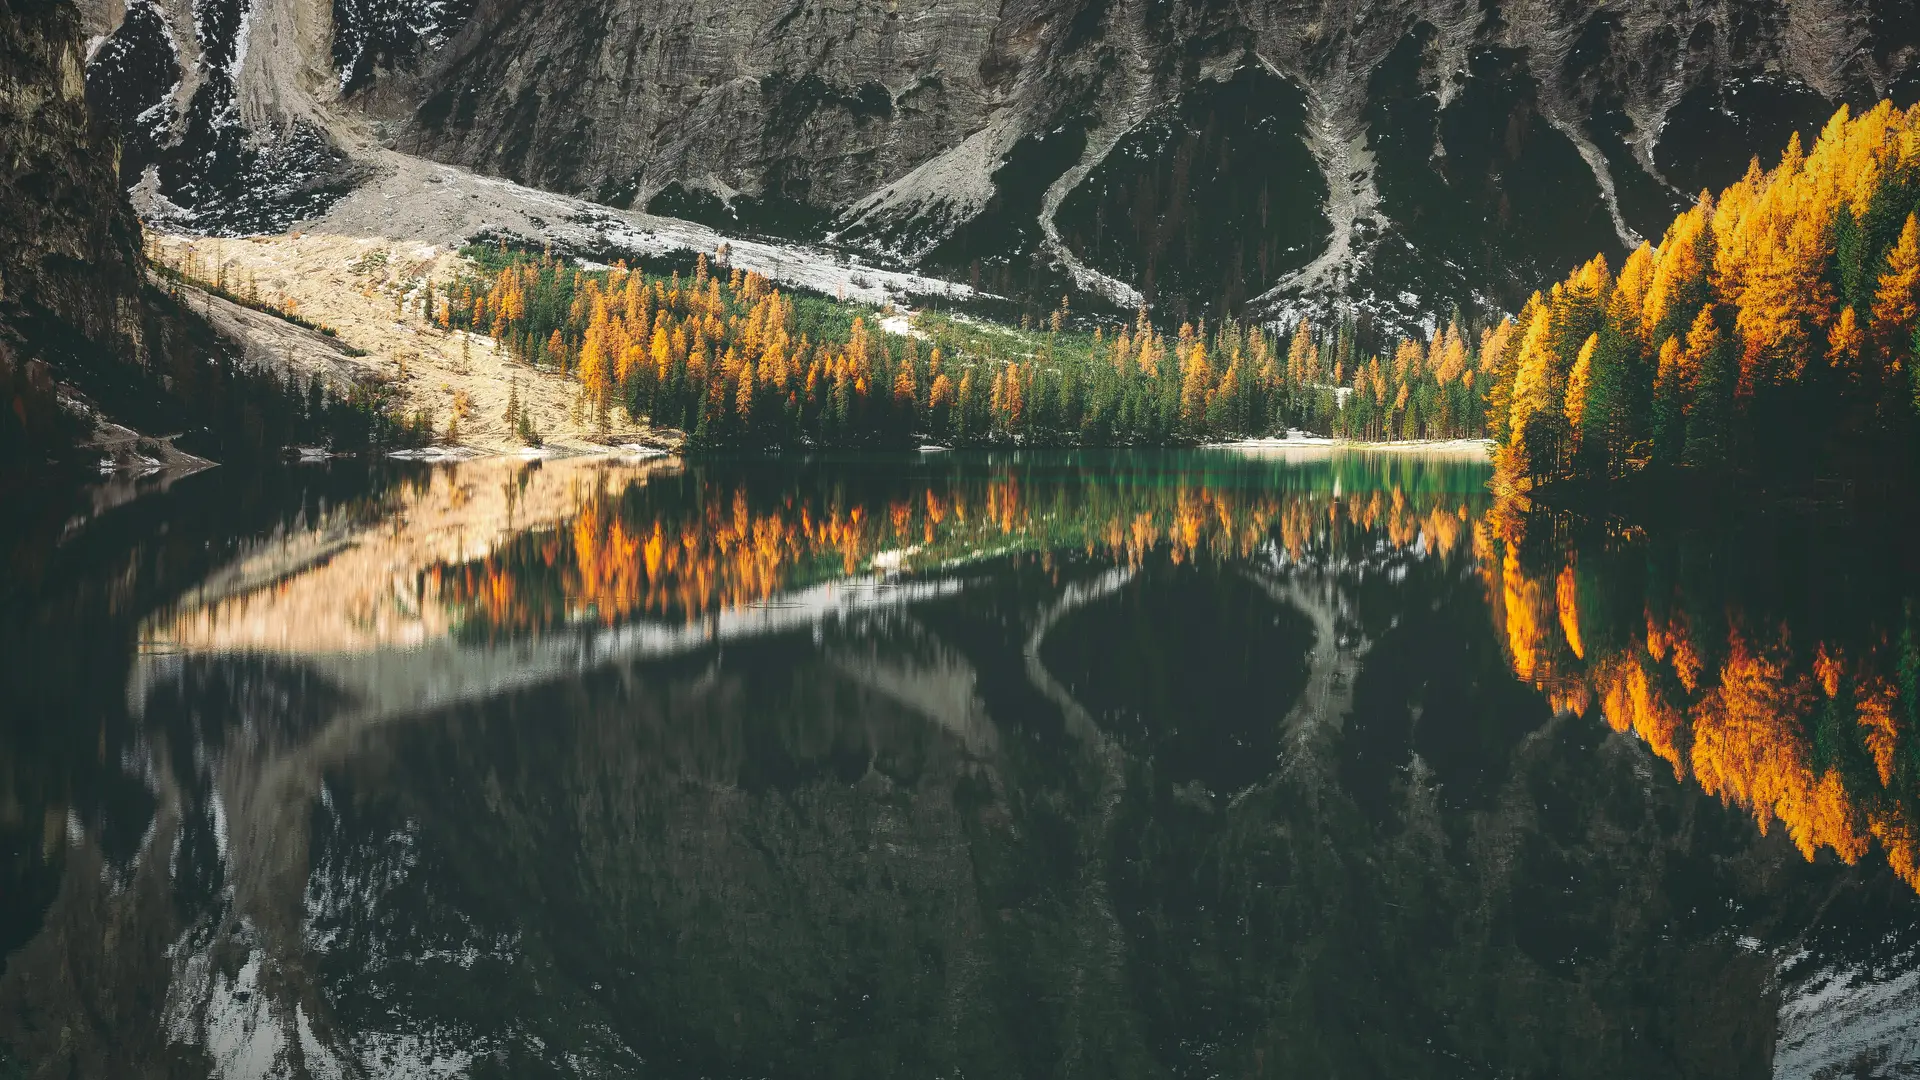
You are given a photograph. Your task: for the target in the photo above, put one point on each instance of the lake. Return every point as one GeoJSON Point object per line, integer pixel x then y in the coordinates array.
{"type": "Point", "coordinates": [1144, 764]}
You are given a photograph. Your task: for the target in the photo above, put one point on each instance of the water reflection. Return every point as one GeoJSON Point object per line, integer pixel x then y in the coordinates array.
{"type": "Point", "coordinates": [1777, 674]}
{"type": "Point", "coordinates": [503, 547]}
{"type": "Point", "coordinates": [1771, 664]}
{"type": "Point", "coordinates": [1124, 764]}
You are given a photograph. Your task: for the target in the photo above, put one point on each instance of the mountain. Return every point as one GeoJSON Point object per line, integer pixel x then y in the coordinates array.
{"type": "Point", "coordinates": [69, 244]}
{"type": "Point", "coordinates": [1402, 156]}
{"type": "Point", "coordinates": [87, 343]}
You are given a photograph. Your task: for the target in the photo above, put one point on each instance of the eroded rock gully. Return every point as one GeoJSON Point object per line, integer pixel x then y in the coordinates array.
{"type": "Point", "coordinates": [1463, 152]}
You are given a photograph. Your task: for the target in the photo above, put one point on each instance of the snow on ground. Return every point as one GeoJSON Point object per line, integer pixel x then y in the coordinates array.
{"type": "Point", "coordinates": [411, 199]}
{"type": "Point", "coordinates": [901, 324]}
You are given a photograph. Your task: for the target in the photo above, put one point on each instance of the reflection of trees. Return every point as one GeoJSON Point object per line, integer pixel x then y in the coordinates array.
{"type": "Point", "coordinates": [350, 580]}
{"type": "Point", "coordinates": [1797, 708]}
{"type": "Point", "coordinates": [882, 844]}
{"type": "Point", "coordinates": [683, 552]}
{"type": "Point", "coordinates": [501, 546]}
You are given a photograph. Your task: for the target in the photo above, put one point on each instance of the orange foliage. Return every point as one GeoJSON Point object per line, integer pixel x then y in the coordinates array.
{"type": "Point", "coordinates": [1738, 728]}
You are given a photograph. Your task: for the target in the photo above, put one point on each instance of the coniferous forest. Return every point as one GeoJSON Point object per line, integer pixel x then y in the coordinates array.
{"type": "Point", "coordinates": [734, 361]}
{"type": "Point", "coordinates": [1772, 329]}
{"type": "Point", "coordinates": [1771, 332]}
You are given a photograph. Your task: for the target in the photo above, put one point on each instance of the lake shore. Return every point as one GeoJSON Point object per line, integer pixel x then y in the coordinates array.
{"type": "Point", "coordinates": [1465, 449]}
{"type": "Point", "coordinates": [1479, 449]}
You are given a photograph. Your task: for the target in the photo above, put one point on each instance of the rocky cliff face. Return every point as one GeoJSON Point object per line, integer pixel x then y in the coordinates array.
{"type": "Point", "coordinates": [70, 277]}
{"type": "Point", "coordinates": [69, 244]}
{"type": "Point", "coordinates": [218, 106]}
{"type": "Point", "coordinates": [81, 334]}
{"type": "Point", "coordinates": [1408, 154]}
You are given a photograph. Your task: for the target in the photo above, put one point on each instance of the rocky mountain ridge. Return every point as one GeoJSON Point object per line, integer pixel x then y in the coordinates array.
{"type": "Point", "coordinates": [69, 247]}
{"type": "Point", "coordinates": [1455, 153]}
{"type": "Point", "coordinates": [70, 276]}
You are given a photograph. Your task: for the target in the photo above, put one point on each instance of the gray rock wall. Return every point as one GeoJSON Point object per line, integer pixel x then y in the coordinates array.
{"type": "Point", "coordinates": [69, 246]}
{"type": "Point", "coordinates": [1484, 145]}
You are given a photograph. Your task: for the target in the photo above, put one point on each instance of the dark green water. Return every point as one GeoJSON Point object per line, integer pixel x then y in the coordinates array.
{"type": "Point", "coordinates": [1159, 764]}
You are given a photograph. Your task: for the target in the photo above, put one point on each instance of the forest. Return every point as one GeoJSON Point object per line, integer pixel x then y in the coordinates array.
{"type": "Point", "coordinates": [734, 361]}
{"type": "Point", "coordinates": [1771, 332]}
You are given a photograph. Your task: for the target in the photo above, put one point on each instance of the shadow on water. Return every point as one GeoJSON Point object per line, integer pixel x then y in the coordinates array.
{"type": "Point", "coordinates": [1012, 764]}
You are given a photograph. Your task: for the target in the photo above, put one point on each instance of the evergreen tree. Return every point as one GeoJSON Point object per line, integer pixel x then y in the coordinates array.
{"type": "Point", "coordinates": [1710, 425]}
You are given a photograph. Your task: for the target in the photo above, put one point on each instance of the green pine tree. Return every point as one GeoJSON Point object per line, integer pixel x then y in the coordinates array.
{"type": "Point", "coordinates": [1710, 428]}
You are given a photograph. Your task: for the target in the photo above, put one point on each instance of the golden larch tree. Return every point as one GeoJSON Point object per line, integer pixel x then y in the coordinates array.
{"type": "Point", "coordinates": [1898, 295]}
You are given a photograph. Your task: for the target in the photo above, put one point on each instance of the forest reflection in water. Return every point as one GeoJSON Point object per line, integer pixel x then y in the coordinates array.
{"type": "Point", "coordinates": [1121, 764]}
{"type": "Point", "coordinates": [1775, 667]}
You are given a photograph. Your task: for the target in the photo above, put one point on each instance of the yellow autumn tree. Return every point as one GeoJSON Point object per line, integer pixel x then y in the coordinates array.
{"type": "Point", "coordinates": [593, 372]}
{"type": "Point", "coordinates": [1898, 295]}
{"type": "Point", "coordinates": [906, 392]}
{"type": "Point", "coordinates": [1196, 380]}
{"type": "Point", "coordinates": [1844, 342]}
{"type": "Point", "coordinates": [1578, 382]}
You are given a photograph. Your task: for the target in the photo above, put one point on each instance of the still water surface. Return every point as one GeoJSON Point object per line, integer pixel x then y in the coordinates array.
{"type": "Point", "coordinates": [1149, 764]}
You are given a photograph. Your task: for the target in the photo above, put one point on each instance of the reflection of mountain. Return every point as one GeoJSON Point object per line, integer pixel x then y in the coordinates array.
{"type": "Point", "coordinates": [350, 583]}
{"type": "Point", "coordinates": [1154, 766]}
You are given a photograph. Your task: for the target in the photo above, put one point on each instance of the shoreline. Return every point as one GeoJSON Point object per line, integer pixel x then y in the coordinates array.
{"type": "Point", "coordinates": [1480, 448]}
{"type": "Point", "coordinates": [1475, 448]}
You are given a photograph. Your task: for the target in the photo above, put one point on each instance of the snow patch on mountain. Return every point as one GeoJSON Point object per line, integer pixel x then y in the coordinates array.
{"type": "Point", "coordinates": [371, 35]}
{"type": "Point", "coordinates": [409, 199]}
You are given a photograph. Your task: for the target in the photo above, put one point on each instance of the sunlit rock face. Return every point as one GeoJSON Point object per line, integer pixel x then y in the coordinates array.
{"type": "Point", "coordinates": [1455, 153]}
